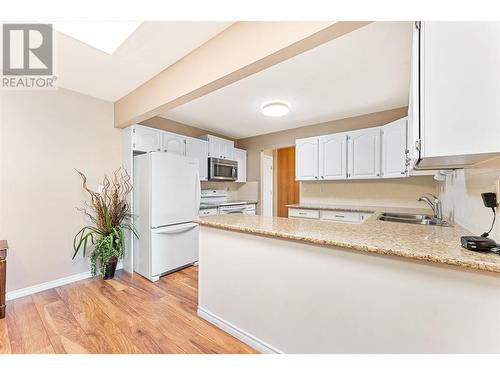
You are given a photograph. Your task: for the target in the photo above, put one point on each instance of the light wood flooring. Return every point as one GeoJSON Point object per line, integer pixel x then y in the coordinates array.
{"type": "Point", "coordinates": [128, 314]}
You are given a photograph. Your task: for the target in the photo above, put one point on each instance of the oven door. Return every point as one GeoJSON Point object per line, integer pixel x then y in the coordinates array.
{"type": "Point", "coordinates": [236, 209]}
{"type": "Point", "coordinates": [222, 169]}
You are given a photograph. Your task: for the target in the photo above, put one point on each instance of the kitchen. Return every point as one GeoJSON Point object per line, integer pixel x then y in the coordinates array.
{"type": "Point", "coordinates": [324, 196]}
{"type": "Point", "coordinates": [405, 222]}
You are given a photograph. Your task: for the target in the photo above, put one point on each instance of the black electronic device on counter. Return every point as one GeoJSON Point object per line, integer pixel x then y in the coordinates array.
{"type": "Point", "coordinates": [478, 243]}
{"type": "Point", "coordinates": [482, 243]}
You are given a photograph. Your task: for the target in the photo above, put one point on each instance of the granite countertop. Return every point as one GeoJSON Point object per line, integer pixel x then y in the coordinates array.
{"type": "Point", "coordinates": [419, 242]}
{"type": "Point", "coordinates": [368, 209]}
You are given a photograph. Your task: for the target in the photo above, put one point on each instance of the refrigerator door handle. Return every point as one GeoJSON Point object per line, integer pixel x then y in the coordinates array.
{"type": "Point", "coordinates": [175, 229]}
{"type": "Point", "coordinates": [198, 192]}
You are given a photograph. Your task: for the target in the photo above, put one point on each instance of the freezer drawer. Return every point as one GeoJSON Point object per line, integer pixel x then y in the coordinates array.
{"type": "Point", "coordinates": [173, 246]}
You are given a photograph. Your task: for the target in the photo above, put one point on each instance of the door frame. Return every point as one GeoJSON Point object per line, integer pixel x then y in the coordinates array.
{"type": "Point", "coordinates": [267, 158]}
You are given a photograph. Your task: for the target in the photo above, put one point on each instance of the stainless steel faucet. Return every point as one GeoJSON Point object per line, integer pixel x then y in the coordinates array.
{"type": "Point", "coordinates": [436, 206]}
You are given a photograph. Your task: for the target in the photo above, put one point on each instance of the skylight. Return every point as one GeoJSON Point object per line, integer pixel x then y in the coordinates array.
{"type": "Point", "coordinates": [104, 36]}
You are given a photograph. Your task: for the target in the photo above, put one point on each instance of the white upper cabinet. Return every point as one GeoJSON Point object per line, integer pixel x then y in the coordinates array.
{"type": "Point", "coordinates": [198, 148]}
{"type": "Point", "coordinates": [241, 157]}
{"type": "Point", "coordinates": [146, 139]}
{"type": "Point", "coordinates": [173, 143]}
{"type": "Point", "coordinates": [333, 156]}
{"type": "Point", "coordinates": [457, 68]}
{"type": "Point", "coordinates": [219, 147]}
{"type": "Point", "coordinates": [394, 150]}
{"type": "Point", "coordinates": [364, 153]}
{"type": "Point", "coordinates": [306, 159]}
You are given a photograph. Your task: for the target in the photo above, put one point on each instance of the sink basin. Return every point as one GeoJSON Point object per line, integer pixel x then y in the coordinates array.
{"type": "Point", "coordinates": [411, 219]}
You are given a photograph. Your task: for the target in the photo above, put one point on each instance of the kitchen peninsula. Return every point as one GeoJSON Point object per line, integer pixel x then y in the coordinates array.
{"type": "Point", "coordinates": [309, 286]}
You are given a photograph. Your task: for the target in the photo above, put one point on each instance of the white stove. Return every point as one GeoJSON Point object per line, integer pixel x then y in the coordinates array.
{"type": "Point", "coordinates": [216, 202]}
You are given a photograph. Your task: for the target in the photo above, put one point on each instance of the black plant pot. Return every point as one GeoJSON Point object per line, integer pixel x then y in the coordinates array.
{"type": "Point", "coordinates": [110, 269]}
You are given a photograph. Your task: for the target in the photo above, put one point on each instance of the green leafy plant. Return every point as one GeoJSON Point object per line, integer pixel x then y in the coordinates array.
{"type": "Point", "coordinates": [110, 216]}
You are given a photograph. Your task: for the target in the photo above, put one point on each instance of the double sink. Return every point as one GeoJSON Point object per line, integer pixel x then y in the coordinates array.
{"type": "Point", "coordinates": [412, 219]}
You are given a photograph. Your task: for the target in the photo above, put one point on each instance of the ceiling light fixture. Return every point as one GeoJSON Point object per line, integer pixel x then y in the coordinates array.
{"type": "Point", "coordinates": [275, 108]}
{"type": "Point", "coordinates": [105, 36]}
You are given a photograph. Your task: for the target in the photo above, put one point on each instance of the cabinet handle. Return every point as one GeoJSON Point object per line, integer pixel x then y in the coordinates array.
{"type": "Point", "coordinates": [322, 176]}
{"type": "Point", "coordinates": [403, 173]}
{"type": "Point", "coordinates": [378, 174]}
{"type": "Point", "coordinates": [158, 149]}
{"type": "Point", "coordinates": [316, 177]}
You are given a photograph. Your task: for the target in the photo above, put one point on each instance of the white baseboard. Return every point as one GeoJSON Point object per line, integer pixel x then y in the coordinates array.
{"type": "Point", "coordinates": [50, 284]}
{"type": "Point", "coordinates": [241, 335]}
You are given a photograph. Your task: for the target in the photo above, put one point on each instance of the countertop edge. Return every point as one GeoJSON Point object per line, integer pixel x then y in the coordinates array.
{"type": "Point", "coordinates": [361, 248]}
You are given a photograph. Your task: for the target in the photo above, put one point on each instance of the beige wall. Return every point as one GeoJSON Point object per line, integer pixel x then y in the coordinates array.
{"type": "Point", "coordinates": [255, 145]}
{"type": "Point", "coordinates": [461, 196]}
{"type": "Point", "coordinates": [44, 135]}
{"type": "Point", "coordinates": [178, 127]}
{"type": "Point", "coordinates": [394, 192]}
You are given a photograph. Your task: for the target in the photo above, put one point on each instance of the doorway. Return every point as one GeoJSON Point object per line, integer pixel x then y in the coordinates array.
{"type": "Point", "coordinates": [286, 186]}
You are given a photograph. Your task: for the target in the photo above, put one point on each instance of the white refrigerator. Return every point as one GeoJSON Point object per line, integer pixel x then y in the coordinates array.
{"type": "Point", "coordinates": [166, 200]}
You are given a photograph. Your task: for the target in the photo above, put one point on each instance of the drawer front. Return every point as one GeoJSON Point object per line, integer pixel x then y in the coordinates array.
{"type": "Point", "coordinates": [342, 216]}
{"type": "Point", "coordinates": [307, 214]}
{"type": "Point", "coordinates": [207, 212]}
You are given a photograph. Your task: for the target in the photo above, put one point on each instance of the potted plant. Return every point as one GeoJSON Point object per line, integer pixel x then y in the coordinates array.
{"type": "Point", "coordinates": [110, 216]}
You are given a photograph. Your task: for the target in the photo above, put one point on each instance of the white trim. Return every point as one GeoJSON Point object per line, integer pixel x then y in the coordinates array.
{"type": "Point", "coordinates": [51, 284]}
{"type": "Point", "coordinates": [241, 335]}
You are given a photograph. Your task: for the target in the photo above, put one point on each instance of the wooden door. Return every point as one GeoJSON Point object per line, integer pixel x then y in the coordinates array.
{"type": "Point", "coordinates": [287, 186]}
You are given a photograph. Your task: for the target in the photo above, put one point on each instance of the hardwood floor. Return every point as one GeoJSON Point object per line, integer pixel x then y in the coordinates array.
{"type": "Point", "coordinates": [128, 314]}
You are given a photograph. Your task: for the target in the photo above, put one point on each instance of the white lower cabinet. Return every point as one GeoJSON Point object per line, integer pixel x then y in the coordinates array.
{"type": "Point", "coordinates": [364, 154]}
{"type": "Point", "coordinates": [208, 212]}
{"type": "Point", "coordinates": [333, 157]}
{"type": "Point", "coordinates": [394, 149]}
{"type": "Point", "coordinates": [329, 215]}
{"type": "Point", "coordinates": [303, 213]}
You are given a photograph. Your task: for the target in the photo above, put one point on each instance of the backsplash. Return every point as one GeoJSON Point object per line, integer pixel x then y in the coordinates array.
{"type": "Point", "coordinates": [396, 192]}
{"type": "Point", "coordinates": [461, 196]}
{"type": "Point", "coordinates": [237, 191]}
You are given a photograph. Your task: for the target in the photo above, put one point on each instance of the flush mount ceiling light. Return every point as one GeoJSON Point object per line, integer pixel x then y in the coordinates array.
{"type": "Point", "coordinates": [105, 36]}
{"type": "Point", "coordinates": [275, 108]}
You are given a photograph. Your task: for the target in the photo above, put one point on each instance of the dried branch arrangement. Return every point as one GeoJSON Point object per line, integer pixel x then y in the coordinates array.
{"type": "Point", "coordinates": [109, 213]}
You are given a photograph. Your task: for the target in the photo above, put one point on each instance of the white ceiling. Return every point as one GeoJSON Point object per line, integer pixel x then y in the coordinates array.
{"type": "Point", "coordinates": [150, 49]}
{"type": "Point", "coordinates": [365, 71]}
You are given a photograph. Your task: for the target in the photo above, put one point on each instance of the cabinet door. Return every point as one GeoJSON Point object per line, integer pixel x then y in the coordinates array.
{"type": "Point", "coordinates": [306, 159]}
{"type": "Point", "coordinates": [333, 157]}
{"type": "Point", "coordinates": [146, 139]}
{"type": "Point", "coordinates": [227, 150]}
{"type": "Point", "coordinates": [394, 150]}
{"type": "Point", "coordinates": [174, 143]}
{"type": "Point", "coordinates": [198, 148]}
{"type": "Point", "coordinates": [460, 90]}
{"type": "Point", "coordinates": [364, 153]}
{"type": "Point", "coordinates": [214, 149]}
{"type": "Point", "coordinates": [241, 157]}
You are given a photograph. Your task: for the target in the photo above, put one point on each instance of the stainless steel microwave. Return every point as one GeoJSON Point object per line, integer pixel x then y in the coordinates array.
{"type": "Point", "coordinates": [222, 170]}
